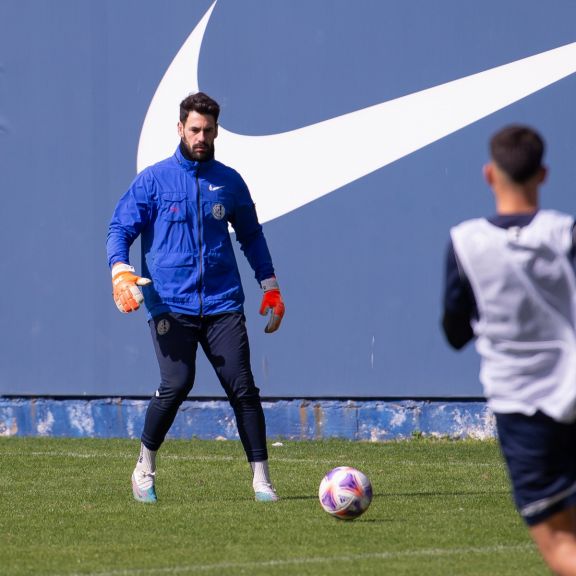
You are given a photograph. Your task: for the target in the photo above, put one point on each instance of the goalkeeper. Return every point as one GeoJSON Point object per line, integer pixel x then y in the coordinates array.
{"type": "Point", "coordinates": [181, 208]}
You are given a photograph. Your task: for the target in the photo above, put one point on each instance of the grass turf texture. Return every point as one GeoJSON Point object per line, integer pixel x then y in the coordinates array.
{"type": "Point", "coordinates": [440, 507]}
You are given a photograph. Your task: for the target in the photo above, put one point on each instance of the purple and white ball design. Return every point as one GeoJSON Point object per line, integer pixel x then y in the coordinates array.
{"type": "Point", "coordinates": [345, 493]}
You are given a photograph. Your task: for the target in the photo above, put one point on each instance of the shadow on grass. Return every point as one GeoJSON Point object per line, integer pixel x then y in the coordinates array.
{"type": "Point", "coordinates": [446, 494]}
{"type": "Point", "coordinates": [416, 494]}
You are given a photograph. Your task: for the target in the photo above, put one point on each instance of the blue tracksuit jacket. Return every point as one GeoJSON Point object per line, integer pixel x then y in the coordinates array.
{"type": "Point", "coordinates": [181, 210]}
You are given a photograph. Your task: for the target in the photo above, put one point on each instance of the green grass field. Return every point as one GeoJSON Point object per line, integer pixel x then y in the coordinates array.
{"type": "Point", "coordinates": [440, 508]}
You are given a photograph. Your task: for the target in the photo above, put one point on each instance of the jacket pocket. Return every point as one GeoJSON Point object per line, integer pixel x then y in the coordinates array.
{"type": "Point", "coordinates": [173, 206]}
{"type": "Point", "coordinates": [175, 274]}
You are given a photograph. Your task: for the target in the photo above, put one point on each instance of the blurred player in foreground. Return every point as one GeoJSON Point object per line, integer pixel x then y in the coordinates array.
{"type": "Point", "coordinates": [181, 208]}
{"type": "Point", "coordinates": [510, 283]}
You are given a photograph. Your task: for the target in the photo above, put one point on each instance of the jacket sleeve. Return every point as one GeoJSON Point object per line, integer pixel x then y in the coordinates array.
{"type": "Point", "coordinates": [459, 303]}
{"type": "Point", "coordinates": [131, 215]}
{"type": "Point", "coordinates": [250, 235]}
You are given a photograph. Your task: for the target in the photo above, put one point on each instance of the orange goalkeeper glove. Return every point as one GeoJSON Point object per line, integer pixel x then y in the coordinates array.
{"type": "Point", "coordinates": [127, 295]}
{"type": "Point", "coordinates": [272, 301]}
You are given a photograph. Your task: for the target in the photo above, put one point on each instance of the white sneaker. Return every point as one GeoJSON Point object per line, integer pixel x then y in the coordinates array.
{"type": "Point", "coordinates": [264, 492]}
{"type": "Point", "coordinates": [143, 486]}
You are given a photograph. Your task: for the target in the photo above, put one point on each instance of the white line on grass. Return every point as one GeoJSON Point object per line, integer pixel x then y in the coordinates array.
{"type": "Point", "coordinates": [426, 552]}
{"type": "Point", "coordinates": [103, 455]}
{"type": "Point", "coordinates": [216, 458]}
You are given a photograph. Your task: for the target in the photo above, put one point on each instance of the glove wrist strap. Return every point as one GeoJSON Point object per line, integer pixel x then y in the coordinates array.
{"type": "Point", "coordinates": [270, 284]}
{"type": "Point", "coordinates": [118, 268]}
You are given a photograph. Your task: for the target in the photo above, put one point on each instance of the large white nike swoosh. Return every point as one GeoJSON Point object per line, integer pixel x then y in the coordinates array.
{"type": "Point", "coordinates": [390, 130]}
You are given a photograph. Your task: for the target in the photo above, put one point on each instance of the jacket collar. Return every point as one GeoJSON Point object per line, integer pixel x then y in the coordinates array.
{"type": "Point", "coordinates": [188, 164]}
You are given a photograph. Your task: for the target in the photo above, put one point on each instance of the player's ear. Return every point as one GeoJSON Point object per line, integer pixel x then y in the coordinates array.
{"type": "Point", "coordinates": [542, 174]}
{"type": "Point", "coordinates": [180, 129]}
{"type": "Point", "coordinates": [488, 172]}
{"type": "Point", "coordinates": [216, 130]}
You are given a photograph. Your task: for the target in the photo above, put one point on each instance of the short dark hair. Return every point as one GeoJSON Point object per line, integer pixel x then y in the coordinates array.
{"type": "Point", "coordinates": [200, 103]}
{"type": "Point", "coordinates": [517, 150]}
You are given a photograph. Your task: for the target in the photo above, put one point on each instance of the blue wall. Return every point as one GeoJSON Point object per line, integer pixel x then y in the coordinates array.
{"type": "Point", "coordinates": [360, 267]}
{"type": "Point", "coordinates": [368, 420]}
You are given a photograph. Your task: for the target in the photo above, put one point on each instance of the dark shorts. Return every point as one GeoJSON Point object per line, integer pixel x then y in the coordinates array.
{"type": "Point", "coordinates": [541, 457]}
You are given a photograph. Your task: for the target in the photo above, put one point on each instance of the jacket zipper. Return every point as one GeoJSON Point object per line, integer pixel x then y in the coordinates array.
{"type": "Point", "coordinates": [200, 247]}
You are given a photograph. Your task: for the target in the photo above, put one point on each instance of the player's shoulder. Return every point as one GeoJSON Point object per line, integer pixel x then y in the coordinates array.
{"type": "Point", "coordinates": [226, 174]}
{"type": "Point", "coordinates": [150, 172]}
{"type": "Point", "coordinates": [158, 176]}
{"type": "Point", "coordinates": [556, 227]}
{"type": "Point", "coordinates": [554, 217]}
{"type": "Point", "coordinates": [169, 164]}
{"type": "Point", "coordinates": [469, 224]}
{"type": "Point", "coordinates": [553, 223]}
{"type": "Point", "coordinates": [225, 169]}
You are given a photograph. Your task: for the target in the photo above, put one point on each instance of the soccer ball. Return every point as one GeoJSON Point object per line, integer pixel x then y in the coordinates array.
{"type": "Point", "coordinates": [345, 493]}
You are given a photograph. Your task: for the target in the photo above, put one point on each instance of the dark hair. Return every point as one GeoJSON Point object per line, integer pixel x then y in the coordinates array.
{"type": "Point", "coordinates": [200, 103]}
{"type": "Point", "coordinates": [517, 151]}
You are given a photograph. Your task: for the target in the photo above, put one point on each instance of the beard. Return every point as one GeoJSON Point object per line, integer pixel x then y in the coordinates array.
{"type": "Point", "coordinates": [198, 153]}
